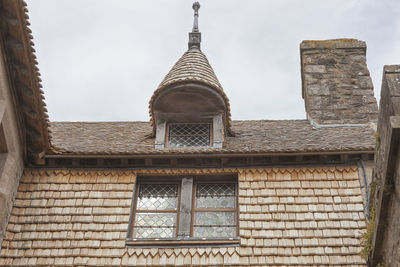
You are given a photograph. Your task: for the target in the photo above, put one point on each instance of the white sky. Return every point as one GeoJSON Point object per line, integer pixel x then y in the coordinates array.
{"type": "Point", "coordinates": [102, 60]}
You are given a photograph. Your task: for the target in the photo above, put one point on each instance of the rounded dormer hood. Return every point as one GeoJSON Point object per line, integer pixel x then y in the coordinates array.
{"type": "Point", "coordinates": [190, 86]}
{"type": "Point", "coordinates": [191, 92]}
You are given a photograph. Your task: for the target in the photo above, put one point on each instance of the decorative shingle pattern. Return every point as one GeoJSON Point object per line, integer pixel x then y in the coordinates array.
{"type": "Point", "coordinates": [193, 66]}
{"type": "Point", "coordinates": [251, 137]}
{"type": "Point", "coordinates": [288, 216]}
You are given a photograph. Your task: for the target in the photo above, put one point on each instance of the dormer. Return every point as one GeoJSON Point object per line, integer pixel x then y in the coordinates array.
{"type": "Point", "coordinates": [189, 107]}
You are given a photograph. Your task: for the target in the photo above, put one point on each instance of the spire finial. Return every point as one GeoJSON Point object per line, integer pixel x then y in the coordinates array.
{"type": "Point", "coordinates": [196, 7]}
{"type": "Point", "coordinates": [195, 35]}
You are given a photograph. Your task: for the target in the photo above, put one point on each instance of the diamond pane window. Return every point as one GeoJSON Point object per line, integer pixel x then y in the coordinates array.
{"type": "Point", "coordinates": [157, 196]}
{"type": "Point", "coordinates": [215, 210]}
{"type": "Point", "coordinates": [172, 209]}
{"type": "Point", "coordinates": [215, 224]}
{"type": "Point", "coordinates": [215, 196]}
{"type": "Point", "coordinates": [189, 135]}
{"type": "Point", "coordinates": [156, 211]}
{"type": "Point", "coordinates": [155, 225]}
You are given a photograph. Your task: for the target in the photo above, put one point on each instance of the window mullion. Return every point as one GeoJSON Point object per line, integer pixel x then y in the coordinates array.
{"type": "Point", "coordinates": [185, 211]}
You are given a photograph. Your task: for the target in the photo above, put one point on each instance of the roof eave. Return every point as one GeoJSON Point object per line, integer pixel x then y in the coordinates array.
{"type": "Point", "coordinates": [24, 80]}
{"type": "Point", "coordinates": [191, 155]}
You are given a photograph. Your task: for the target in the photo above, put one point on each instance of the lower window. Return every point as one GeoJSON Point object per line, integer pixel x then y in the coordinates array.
{"type": "Point", "coordinates": [185, 209]}
{"type": "Point", "coordinates": [156, 210]}
{"type": "Point", "coordinates": [214, 210]}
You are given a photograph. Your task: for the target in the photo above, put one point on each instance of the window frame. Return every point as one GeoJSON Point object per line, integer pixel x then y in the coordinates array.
{"type": "Point", "coordinates": [183, 241]}
{"type": "Point", "coordinates": [135, 211]}
{"type": "Point", "coordinates": [194, 209]}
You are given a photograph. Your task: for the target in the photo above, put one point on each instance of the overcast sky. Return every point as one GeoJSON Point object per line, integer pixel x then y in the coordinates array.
{"type": "Point", "coordinates": [102, 60]}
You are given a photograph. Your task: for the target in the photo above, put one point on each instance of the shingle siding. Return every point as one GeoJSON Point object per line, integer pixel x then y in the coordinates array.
{"type": "Point", "coordinates": [288, 216]}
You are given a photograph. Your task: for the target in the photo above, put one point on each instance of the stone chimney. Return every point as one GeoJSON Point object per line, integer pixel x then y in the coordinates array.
{"type": "Point", "coordinates": [336, 85]}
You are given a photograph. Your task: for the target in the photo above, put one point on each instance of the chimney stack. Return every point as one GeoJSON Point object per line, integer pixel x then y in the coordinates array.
{"type": "Point", "coordinates": [336, 85]}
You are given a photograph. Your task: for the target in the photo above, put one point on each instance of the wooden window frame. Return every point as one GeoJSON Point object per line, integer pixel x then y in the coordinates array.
{"type": "Point", "coordinates": [195, 209]}
{"type": "Point", "coordinates": [182, 237]}
{"type": "Point", "coordinates": [175, 211]}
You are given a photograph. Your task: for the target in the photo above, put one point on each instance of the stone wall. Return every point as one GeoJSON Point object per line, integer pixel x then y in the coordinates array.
{"type": "Point", "coordinates": [337, 86]}
{"type": "Point", "coordinates": [11, 155]}
{"type": "Point", "coordinates": [386, 236]}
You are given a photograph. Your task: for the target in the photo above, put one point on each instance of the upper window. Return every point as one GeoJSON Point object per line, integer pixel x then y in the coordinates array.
{"type": "Point", "coordinates": [189, 134]}
{"type": "Point", "coordinates": [185, 208]}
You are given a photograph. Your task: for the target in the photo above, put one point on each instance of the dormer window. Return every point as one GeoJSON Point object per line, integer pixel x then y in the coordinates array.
{"type": "Point", "coordinates": [189, 135]}
{"type": "Point", "coordinates": [189, 107]}
{"type": "Point", "coordinates": [191, 131]}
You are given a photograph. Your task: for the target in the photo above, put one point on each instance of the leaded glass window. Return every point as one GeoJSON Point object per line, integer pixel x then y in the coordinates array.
{"type": "Point", "coordinates": [161, 208]}
{"type": "Point", "coordinates": [156, 211]}
{"type": "Point", "coordinates": [215, 213]}
{"type": "Point", "coordinates": [189, 135]}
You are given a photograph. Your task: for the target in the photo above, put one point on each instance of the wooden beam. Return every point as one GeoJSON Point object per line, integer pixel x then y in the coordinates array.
{"type": "Point", "coordinates": [185, 210]}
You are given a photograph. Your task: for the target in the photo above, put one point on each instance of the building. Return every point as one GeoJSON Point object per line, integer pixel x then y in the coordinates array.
{"type": "Point", "coordinates": [192, 187]}
{"type": "Point", "coordinates": [383, 232]}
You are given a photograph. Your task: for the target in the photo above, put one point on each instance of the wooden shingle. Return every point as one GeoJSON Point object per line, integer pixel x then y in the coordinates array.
{"type": "Point", "coordinates": [309, 220]}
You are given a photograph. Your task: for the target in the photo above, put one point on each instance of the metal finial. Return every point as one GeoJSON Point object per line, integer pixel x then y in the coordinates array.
{"type": "Point", "coordinates": [195, 35]}
{"type": "Point", "coordinates": [196, 7]}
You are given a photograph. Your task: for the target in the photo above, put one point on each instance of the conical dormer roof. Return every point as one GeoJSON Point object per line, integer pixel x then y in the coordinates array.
{"type": "Point", "coordinates": [193, 68]}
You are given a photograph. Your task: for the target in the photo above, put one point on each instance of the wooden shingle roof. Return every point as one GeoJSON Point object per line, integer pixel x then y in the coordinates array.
{"type": "Point", "coordinates": [24, 78]}
{"type": "Point", "coordinates": [193, 66]}
{"type": "Point", "coordinates": [262, 136]}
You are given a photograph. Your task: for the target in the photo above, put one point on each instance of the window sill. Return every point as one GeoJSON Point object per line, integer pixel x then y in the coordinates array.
{"type": "Point", "coordinates": [184, 242]}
